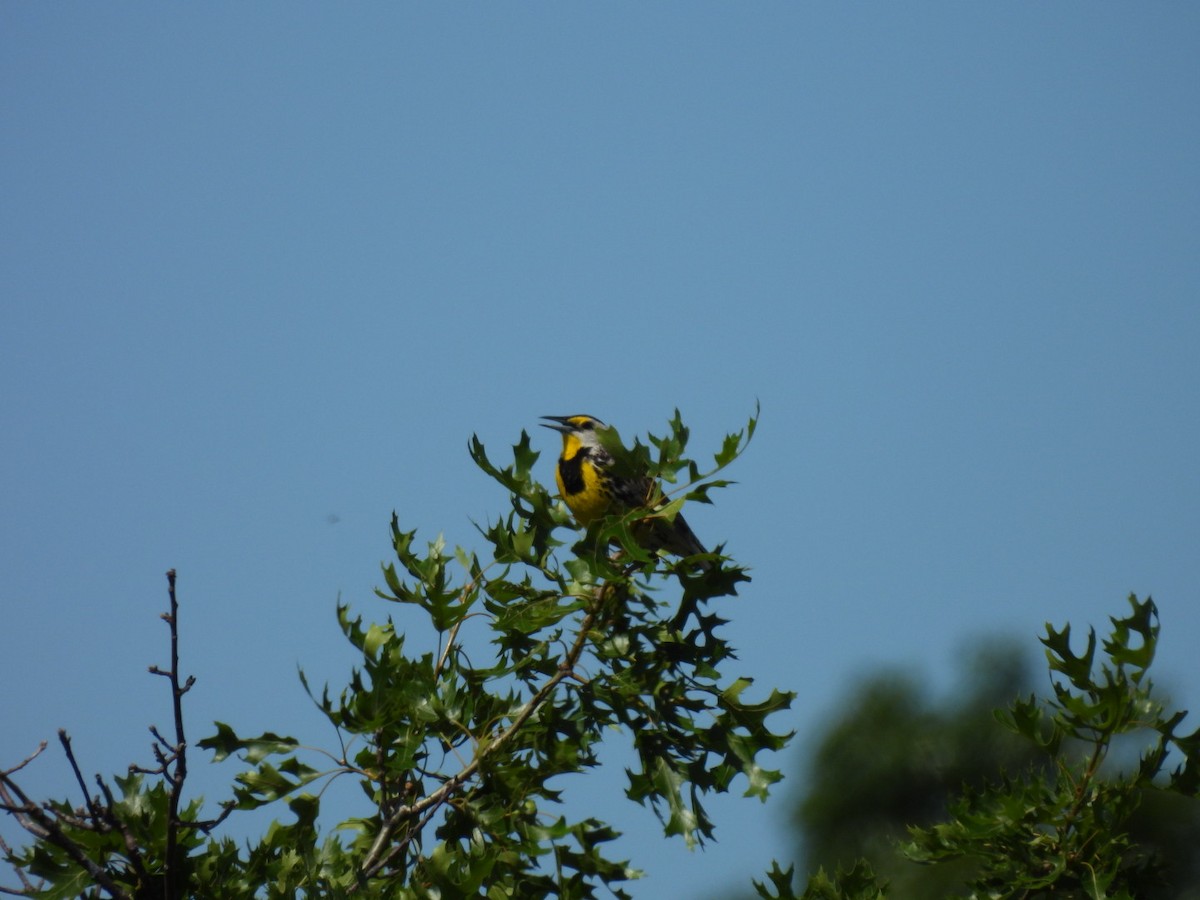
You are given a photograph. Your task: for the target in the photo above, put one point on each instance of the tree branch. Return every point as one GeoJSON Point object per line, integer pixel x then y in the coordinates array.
{"type": "Point", "coordinates": [178, 775]}
{"type": "Point", "coordinates": [377, 859]}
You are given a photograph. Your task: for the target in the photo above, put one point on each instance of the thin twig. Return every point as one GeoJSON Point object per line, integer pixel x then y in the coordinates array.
{"type": "Point", "coordinates": [133, 852]}
{"type": "Point", "coordinates": [26, 884]}
{"type": "Point", "coordinates": [414, 833]}
{"type": "Point", "coordinates": [20, 806]}
{"type": "Point", "coordinates": [468, 588]}
{"type": "Point", "coordinates": [26, 761]}
{"type": "Point", "coordinates": [65, 740]}
{"type": "Point", "coordinates": [437, 670]}
{"type": "Point", "coordinates": [207, 825]}
{"type": "Point", "coordinates": [179, 750]}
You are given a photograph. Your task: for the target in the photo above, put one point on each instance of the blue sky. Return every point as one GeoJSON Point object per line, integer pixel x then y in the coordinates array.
{"type": "Point", "coordinates": [268, 266]}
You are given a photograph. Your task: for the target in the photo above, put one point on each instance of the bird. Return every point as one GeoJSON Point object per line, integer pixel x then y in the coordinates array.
{"type": "Point", "coordinates": [592, 490]}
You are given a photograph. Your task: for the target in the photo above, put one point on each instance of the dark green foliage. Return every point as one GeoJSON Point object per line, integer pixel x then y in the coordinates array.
{"type": "Point", "coordinates": [1064, 831]}
{"type": "Point", "coordinates": [856, 883]}
{"type": "Point", "coordinates": [1051, 802]}
{"type": "Point", "coordinates": [896, 757]}
{"type": "Point", "coordinates": [464, 756]}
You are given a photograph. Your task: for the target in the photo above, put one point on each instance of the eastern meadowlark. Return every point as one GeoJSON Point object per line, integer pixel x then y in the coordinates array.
{"type": "Point", "coordinates": [591, 490]}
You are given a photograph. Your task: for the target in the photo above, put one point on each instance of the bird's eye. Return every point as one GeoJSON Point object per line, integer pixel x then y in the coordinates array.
{"type": "Point", "coordinates": [586, 425]}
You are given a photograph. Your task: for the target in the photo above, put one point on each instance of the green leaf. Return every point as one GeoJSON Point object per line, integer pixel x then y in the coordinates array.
{"type": "Point", "coordinates": [1142, 622]}
{"type": "Point", "coordinates": [376, 637]}
{"type": "Point", "coordinates": [226, 742]}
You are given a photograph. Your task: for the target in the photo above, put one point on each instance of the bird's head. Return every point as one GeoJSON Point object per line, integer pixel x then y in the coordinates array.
{"type": "Point", "coordinates": [577, 431]}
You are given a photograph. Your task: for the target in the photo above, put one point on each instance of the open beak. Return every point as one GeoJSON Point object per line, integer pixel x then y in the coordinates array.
{"type": "Point", "coordinates": [562, 425]}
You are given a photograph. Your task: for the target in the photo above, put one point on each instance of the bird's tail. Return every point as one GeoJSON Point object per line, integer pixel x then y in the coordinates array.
{"type": "Point", "coordinates": [677, 537]}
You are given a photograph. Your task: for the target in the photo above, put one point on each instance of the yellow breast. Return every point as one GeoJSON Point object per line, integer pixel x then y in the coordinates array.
{"type": "Point", "coordinates": [581, 485]}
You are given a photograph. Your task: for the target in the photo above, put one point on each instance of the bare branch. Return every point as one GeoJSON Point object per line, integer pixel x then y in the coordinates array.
{"type": "Point", "coordinates": [177, 777]}
{"type": "Point", "coordinates": [26, 761]}
{"type": "Point", "coordinates": [207, 825]}
{"type": "Point", "coordinates": [65, 740]}
{"type": "Point", "coordinates": [16, 801]}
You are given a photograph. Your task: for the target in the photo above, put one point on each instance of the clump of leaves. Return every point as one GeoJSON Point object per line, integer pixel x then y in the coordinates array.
{"type": "Point", "coordinates": [1063, 831]}
{"type": "Point", "coordinates": [464, 761]}
{"type": "Point", "coordinates": [463, 756]}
